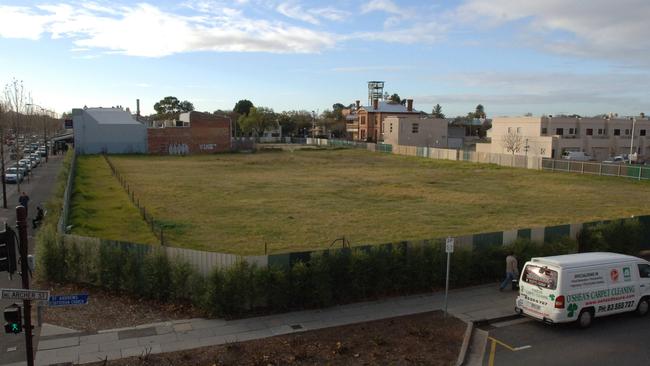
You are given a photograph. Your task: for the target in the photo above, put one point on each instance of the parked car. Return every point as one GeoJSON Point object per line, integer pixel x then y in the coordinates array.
{"type": "Point", "coordinates": [620, 159]}
{"type": "Point", "coordinates": [34, 161]}
{"type": "Point", "coordinates": [13, 175]}
{"type": "Point", "coordinates": [576, 155]}
{"type": "Point", "coordinates": [26, 164]}
{"type": "Point", "coordinates": [36, 156]}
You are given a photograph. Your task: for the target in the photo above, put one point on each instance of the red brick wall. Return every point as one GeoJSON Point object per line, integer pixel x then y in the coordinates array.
{"type": "Point", "coordinates": [205, 134]}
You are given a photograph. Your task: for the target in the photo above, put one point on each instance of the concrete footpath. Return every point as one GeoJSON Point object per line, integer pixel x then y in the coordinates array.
{"type": "Point", "coordinates": [61, 345]}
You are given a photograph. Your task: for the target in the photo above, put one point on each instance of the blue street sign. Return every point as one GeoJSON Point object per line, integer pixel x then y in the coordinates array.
{"type": "Point", "coordinates": [66, 300]}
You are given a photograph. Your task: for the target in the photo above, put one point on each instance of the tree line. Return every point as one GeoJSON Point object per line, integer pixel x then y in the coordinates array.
{"type": "Point", "coordinates": [251, 120]}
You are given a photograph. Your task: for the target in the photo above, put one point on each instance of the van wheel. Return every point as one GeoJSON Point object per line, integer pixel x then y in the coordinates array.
{"type": "Point", "coordinates": [585, 319]}
{"type": "Point", "coordinates": [642, 308]}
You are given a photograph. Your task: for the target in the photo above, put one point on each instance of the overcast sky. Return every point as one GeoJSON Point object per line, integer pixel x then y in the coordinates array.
{"type": "Point", "coordinates": [514, 57]}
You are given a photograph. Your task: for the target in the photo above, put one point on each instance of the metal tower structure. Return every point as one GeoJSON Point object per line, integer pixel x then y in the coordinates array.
{"type": "Point", "coordinates": [375, 91]}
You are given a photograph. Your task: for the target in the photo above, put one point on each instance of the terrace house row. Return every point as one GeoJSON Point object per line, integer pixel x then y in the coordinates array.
{"type": "Point", "coordinates": [549, 136]}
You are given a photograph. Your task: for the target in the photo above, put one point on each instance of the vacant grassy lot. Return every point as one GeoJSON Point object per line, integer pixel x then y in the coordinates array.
{"type": "Point", "coordinates": [306, 199]}
{"type": "Point", "coordinates": [101, 208]}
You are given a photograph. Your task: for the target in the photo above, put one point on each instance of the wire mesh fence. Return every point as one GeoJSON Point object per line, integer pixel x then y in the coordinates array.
{"type": "Point", "coordinates": [156, 226]}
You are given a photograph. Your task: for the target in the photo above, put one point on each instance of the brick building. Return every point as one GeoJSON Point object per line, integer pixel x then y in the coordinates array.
{"type": "Point", "coordinates": [195, 133]}
{"type": "Point", "coordinates": [367, 126]}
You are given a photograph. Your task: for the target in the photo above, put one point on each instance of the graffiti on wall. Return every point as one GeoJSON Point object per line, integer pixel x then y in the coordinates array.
{"type": "Point", "coordinates": [178, 149]}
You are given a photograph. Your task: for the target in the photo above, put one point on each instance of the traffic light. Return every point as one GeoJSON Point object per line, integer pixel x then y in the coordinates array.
{"type": "Point", "coordinates": [14, 319]}
{"type": "Point", "coordinates": [7, 252]}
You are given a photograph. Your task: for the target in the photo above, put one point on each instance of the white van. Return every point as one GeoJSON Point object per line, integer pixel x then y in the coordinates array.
{"type": "Point", "coordinates": [579, 287]}
{"type": "Point", "coordinates": [576, 155]}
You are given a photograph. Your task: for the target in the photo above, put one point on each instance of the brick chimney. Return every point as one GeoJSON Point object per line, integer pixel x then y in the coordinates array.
{"type": "Point", "coordinates": [409, 105]}
{"type": "Point", "coordinates": [358, 104]}
{"type": "Point", "coordinates": [375, 104]}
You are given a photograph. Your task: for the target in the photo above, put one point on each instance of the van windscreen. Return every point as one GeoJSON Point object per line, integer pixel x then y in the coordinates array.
{"type": "Point", "coordinates": [540, 276]}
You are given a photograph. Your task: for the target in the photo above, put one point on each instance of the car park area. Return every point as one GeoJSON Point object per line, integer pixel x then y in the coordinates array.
{"type": "Point", "coordinates": [616, 340]}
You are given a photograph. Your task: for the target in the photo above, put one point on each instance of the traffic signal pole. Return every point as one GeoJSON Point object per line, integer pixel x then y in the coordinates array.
{"type": "Point", "coordinates": [21, 224]}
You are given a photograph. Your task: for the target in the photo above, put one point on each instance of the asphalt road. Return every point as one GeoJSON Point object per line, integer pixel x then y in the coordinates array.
{"type": "Point", "coordinates": [622, 339]}
{"type": "Point", "coordinates": [39, 190]}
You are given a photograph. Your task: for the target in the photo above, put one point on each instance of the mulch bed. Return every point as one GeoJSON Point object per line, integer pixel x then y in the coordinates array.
{"type": "Point", "coordinates": [107, 310]}
{"type": "Point", "coordinates": [421, 339]}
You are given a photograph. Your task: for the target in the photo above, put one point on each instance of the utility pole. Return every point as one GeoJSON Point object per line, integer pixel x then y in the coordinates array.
{"type": "Point", "coordinates": [2, 158]}
{"type": "Point", "coordinates": [632, 140]}
{"type": "Point", "coordinates": [21, 224]}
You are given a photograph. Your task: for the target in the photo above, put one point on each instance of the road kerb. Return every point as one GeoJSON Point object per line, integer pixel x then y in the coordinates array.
{"type": "Point", "coordinates": [463, 348]}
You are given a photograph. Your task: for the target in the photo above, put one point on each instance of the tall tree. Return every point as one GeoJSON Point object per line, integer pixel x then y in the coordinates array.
{"type": "Point", "coordinates": [243, 107]}
{"type": "Point", "coordinates": [437, 112]}
{"type": "Point", "coordinates": [395, 98]}
{"type": "Point", "coordinates": [480, 111]}
{"type": "Point", "coordinates": [258, 120]}
{"type": "Point", "coordinates": [169, 108]}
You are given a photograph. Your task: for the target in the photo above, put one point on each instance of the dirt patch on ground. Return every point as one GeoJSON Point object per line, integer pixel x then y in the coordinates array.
{"type": "Point", "coordinates": [422, 339]}
{"type": "Point", "coordinates": [106, 310]}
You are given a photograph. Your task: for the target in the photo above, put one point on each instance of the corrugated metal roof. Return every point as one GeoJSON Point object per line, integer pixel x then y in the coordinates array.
{"type": "Point", "coordinates": [111, 116]}
{"type": "Point", "coordinates": [386, 107]}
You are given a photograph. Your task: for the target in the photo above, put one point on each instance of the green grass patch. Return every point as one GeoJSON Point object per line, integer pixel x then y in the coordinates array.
{"type": "Point", "coordinates": [303, 200]}
{"type": "Point", "coordinates": [101, 208]}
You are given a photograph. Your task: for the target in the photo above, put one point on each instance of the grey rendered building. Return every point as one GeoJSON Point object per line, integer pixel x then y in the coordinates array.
{"type": "Point", "coordinates": [107, 130]}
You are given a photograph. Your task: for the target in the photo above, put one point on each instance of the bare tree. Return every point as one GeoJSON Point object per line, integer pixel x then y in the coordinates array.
{"type": "Point", "coordinates": [16, 103]}
{"type": "Point", "coordinates": [512, 142]}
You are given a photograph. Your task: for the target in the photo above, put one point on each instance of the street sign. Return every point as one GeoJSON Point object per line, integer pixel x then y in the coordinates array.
{"type": "Point", "coordinates": [66, 300]}
{"type": "Point", "coordinates": [20, 294]}
{"type": "Point", "coordinates": [450, 245]}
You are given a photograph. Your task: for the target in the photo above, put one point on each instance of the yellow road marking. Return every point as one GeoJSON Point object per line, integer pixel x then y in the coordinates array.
{"type": "Point", "coordinates": [493, 349]}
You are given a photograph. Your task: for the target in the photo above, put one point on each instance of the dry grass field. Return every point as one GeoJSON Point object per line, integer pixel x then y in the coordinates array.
{"type": "Point", "coordinates": [302, 200]}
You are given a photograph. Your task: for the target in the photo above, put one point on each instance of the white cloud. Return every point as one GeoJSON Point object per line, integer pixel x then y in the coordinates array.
{"type": "Point", "coordinates": [386, 6]}
{"type": "Point", "coordinates": [19, 22]}
{"type": "Point", "coordinates": [293, 10]}
{"type": "Point", "coordinates": [146, 30]}
{"type": "Point", "coordinates": [358, 69]}
{"type": "Point", "coordinates": [602, 28]}
{"type": "Point", "coordinates": [417, 33]}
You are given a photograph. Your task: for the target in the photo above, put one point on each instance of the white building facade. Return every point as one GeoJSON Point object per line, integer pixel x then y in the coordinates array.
{"type": "Point", "coordinates": [550, 136]}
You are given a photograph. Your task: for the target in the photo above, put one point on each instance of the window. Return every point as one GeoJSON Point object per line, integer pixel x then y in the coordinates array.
{"type": "Point", "coordinates": [617, 132]}
{"type": "Point", "coordinates": [601, 131]}
{"type": "Point", "coordinates": [518, 129]}
{"type": "Point", "coordinates": [509, 129]}
{"type": "Point", "coordinates": [415, 128]}
{"type": "Point", "coordinates": [644, 270]}
{"type": "Point", "coordinates": [559, 131]}
{"type": "Point", "coordinates": [363, 120]}
{"type": "Point", "coordinates": [627, 132]}
{"type": "Point", "coordinates": [540, 277]}
{"type": "Point", "coordinates": [544, 130]}
{"type": "Point", "coordinates": [642, 133]}
{"type": "Point", "coordinates": [571, 131]}
{"type": "Point", "coordinates": [590, 131]}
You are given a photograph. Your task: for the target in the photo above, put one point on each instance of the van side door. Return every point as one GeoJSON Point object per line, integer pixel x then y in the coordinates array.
{"type": "Point", "coordinates": [644, 279]}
